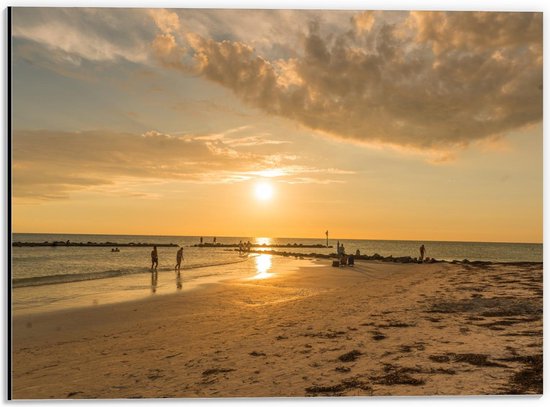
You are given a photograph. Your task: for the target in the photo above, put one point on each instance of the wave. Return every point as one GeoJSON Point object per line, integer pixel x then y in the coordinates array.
{"type": "Point", "coordinates": [76, 277]}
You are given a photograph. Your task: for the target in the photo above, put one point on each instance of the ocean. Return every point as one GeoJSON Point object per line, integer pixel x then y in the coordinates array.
{"type": "Point", "coordinates": [42, 276]}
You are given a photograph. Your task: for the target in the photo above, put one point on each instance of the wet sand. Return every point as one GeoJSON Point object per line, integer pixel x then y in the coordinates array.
{"type": "Point", "coordinates": [373, 329]}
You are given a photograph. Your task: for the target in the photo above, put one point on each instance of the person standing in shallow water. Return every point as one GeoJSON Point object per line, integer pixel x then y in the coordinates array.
{"type": "Point", "coordinates": [179, 258]}
{"type": "Point", "coordinates": [154, 258]}
{"type": "Point", "coordinates": [422, 252]}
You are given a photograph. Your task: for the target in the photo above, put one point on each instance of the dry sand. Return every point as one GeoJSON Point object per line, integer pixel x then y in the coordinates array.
{"type": "Point", "coordinates": [374, 329]}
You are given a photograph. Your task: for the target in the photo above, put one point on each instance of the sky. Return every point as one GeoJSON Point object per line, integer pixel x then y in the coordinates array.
{"type": "Point", "coordinates": [370, 124]}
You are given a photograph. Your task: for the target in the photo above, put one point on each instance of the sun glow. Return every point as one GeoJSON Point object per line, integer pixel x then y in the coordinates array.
{"type": "Point", "coordinates": [263, 191]}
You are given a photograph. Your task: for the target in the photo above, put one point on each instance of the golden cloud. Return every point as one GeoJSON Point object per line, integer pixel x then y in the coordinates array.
{"type": "Point", "coordinates": [448, 79]}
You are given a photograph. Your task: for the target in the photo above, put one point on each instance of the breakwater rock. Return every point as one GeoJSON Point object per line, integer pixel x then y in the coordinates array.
{"type": "Point", "coordinates": [90, 244]}
{"type": "Point", "coordinates": [288, 245]}
{"type": "Point", "coordinates": [376, 256]}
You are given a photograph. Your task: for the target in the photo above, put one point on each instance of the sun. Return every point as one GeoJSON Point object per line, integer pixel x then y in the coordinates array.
{"type": "Point", "coordinates": [263, 191]}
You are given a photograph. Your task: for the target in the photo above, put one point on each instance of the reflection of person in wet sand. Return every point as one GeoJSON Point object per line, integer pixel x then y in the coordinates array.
{"type": "Point", "coordinates": [179, 258]}
{"type": "Point", "coordinates": [154, 258]}
{"type": "Point", "coordinates": [422, 252]}
{"type": "Point", "coordinates": [154, 280]}
{"type": "Point", "coordinates": [178, 280]}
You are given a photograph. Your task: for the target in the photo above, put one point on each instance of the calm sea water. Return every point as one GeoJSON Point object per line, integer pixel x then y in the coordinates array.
{"type": "Point", "coordinates": [53, 269]}
{"type": "Point", "coordinates": [49, 265]}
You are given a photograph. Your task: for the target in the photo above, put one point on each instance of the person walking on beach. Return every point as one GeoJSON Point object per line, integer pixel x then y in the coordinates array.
{"type": "Point", "coordinates": [179, 258]}
{"type": "Point", "coordinates": [422, 252]}
{"type": "Point", "coordinates": [154, 258]}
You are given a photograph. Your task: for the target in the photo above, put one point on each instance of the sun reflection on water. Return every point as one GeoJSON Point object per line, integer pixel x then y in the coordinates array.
{"type": "Point", "coordinates": [263, 240]}
{"type": "Point", "coordinates": [263, 243]}
{"type": "Point", "coordinates": [263, 265]}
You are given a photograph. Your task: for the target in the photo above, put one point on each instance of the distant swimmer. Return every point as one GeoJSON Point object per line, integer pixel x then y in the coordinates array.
{"type": "Point", "coordinates": [179, 258]}
{"type": "Point", "coordinates": [154, 258]}
{"type": "Point", "coordinates": [422, 252]}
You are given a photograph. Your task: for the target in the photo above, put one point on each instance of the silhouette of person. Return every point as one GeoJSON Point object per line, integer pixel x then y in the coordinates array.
{"type": "Point", "coordinates": [422, 252]}
{"type": "Point", "coordinates": [240, 246]}
{"type": "Point", "coordinates": [201, 239]}
{"type": "Point", "coordinates": [154, 258]}
{"type": "Point", "coordinates": [179, 258]}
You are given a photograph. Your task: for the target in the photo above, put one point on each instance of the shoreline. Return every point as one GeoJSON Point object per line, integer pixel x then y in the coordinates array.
{"type": "Point", "coordinates": [130, 287]}
{"type": "Point", "coordinates": [371, 330]}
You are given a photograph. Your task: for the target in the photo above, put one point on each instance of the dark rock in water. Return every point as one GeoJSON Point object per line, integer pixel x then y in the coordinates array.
{"type": "Point", "coordinates": [91, 244]}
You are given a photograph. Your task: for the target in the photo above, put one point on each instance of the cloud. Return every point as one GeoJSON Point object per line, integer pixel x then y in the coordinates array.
{"type": "Point", "coordinates": [432, 81]}
{"type": "Point", "coordinates": [476, 31]}
{"type": "Point", "coordinates": [167, 21]}
{"type": "Point", "coordinates": [51, 165]}
{"type": "Point", "coordinates": [364, 21]}
{"type": "Point", "coordinates": [436, 81]}
{"type": "Point", "coordinates": [91, 33]}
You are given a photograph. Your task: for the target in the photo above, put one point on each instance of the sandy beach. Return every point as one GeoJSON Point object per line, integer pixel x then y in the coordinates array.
{"type": "Point", "coordinates": [376, 329]}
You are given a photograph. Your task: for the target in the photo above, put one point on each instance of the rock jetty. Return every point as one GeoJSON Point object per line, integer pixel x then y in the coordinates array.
{"type": "Point", "coordinates": [89, 244]}
{"type": "Point", "coordinates": [252, 245]}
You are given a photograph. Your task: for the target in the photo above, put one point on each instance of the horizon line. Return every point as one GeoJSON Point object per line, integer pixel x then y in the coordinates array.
{"type": "Point", "coordinates": [273, 237]}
